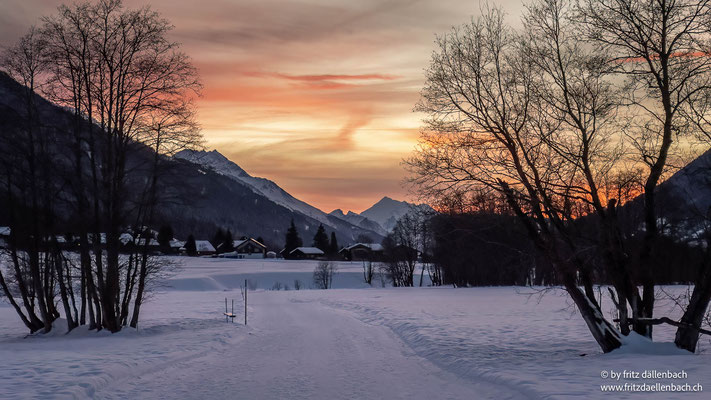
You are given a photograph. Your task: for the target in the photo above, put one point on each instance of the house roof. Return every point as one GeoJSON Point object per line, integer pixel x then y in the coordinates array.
{"type": "Point", "coordinates": [177, 243]}
{"type": "Point", "coordinates": [126, 238]}
{"type": "Point", "coordinates": [151, 242]}
{"type": "Point", "coordinates": [204, 245]}
{"type": "Point", "coordinates": [308, 250]}
{"type": "Point", "coordinates": [371, 246]}
{"type": "Point", "coordinates": [238, 243]}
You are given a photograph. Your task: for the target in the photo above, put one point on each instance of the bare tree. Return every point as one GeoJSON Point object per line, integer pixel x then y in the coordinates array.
{"type": "Point", "coordinates": [492, 128]}
{"type": "Point", "coordinates": [536, 116]}
{"type": "Point", "coordinates": [661, 50]}
{"type": "Point", "coordinates": [323, 274]}
{"type": "Point", "coordinates": [130, 91]}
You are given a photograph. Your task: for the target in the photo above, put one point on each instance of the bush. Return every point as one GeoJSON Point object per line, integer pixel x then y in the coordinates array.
{"type": "Point", "coordinates": [323, 274]}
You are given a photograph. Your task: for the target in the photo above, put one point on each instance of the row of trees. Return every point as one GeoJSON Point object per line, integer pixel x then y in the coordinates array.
{"type": "Point", "coordinates": [320, 241]}
{"type": "Point", "coordinates": [126, 95]}
{"type": "Point", "coordinates": [560, 119]}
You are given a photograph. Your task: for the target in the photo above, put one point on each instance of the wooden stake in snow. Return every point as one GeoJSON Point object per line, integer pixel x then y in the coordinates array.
{"type": "Point", "coordinates": [245, 302]}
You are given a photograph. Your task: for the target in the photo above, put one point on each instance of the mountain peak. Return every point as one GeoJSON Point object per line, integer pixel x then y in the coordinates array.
{"type": "Point", "coordinates": [387, 211]}
{"type": "Point", "coordinates": [337, 213]}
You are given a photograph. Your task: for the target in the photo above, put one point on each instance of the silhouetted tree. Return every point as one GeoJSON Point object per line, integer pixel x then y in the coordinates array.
{"type": "Point", "coordinates": [228, 244]}
{"type": "Point", "coordinates": [333, 245]}
{"type": "Point", "coordinates": [190, 246]}
{"type": "Point", "coordinates": [219, 238]}
{"type": "Point", "coordinates": [165, 235]}
{"type": "Point", "coordinates": [292, 239]}
{"type": "Point", "coordinates": [321, 240]}
{"type": "Point", "coordinates": [540, 117]}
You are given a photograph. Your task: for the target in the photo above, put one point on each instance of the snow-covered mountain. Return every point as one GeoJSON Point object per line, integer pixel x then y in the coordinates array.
{"type": "Point", "coordinates": [382, 216]}
{"type": "Point", "coordinates": [220, 164]}
{"type": "Point", "coordinates": [387, 211]}
{"type": "Point", "coordinates": [359, 220]}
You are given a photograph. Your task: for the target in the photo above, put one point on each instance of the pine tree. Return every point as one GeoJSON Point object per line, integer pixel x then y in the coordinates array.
{"type": "Point", "coordinates": [219, 238]}
{"type": "Point", "coordinates": [321, 239]}
{"type": "Point", "coordinates": [292, 239]}
{"type": "Point", "coordinates": [333, 246]}
{"type": "Point", "coordinates": [165, 235]}
{"type": "Point", "coordinates": [190, 246]}
{"type": "Point", "coordinates": [228, 243]}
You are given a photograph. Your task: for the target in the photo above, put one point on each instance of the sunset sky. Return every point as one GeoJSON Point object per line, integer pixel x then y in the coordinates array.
{"type": "Point", "coordinates": [315, 95]}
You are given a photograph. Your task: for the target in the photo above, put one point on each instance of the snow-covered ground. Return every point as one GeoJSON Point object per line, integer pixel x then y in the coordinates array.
{"type": "Point", "coordinates": [351, 342]}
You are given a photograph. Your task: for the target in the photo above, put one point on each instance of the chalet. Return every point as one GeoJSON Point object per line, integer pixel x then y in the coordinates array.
{"type": "Point", "coordinates": [305, 253]}
{"type": "Point", "coordinates": [176, 245]}
{"type": "Point", "coordinates": [247, 248]}
{"type": "Point", "coordinates": [204, 248]}
{"type": "Point", "coordinates": [362, 252]}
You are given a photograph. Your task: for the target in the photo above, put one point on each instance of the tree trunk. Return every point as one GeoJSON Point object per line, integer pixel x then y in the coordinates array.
{"type": "Point", "coordinates": [686, 336]}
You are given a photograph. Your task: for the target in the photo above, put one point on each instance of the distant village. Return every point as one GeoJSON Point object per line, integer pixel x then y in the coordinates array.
{"type": "Point", "coordinates": [222, 245]}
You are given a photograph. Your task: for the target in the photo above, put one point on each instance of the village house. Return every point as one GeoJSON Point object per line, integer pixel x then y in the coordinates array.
{"type": "Point", "coordinates": [203, 248]}
{"type": "Point", "coordinates": [247, 248]}
{"type": "Point", "coordinates": [304, 253]}
{"type": "Point", "coordinates": [362, 252]}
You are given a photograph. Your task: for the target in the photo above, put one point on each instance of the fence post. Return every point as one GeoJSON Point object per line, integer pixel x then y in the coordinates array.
{"type": "Point", "coordinates": [246, 289]}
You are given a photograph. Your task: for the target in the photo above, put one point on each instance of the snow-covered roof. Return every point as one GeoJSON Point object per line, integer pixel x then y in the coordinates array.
{"type": "Point", "coordinates": [308, 250]}
{"type": "Point", "coordinates": [4, 231]}
{"type": "Point", "coordinates": [238, 243]}
{"type": "Point", "coordinates": [371, 246]}
{"type": "Point", "coordinates": [125, 238]}
{"type": "Point", "coordinates": [176, 243]}
{"type": "Point", "coordinates": [204, 246]}
{"type": "Point", "coordinates": [152, 242]}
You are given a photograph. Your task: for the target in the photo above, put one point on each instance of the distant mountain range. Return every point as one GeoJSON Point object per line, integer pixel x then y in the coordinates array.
{"type": "Point", "coordinates": [204, 190]}
{"type": "Point", "coordinates": [378, 219]}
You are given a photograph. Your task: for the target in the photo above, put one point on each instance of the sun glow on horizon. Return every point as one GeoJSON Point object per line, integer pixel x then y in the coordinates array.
{"type": "Point", "coordinates": [315, 95]}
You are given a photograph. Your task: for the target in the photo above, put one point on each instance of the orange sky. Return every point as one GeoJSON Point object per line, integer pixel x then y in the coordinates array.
{"type": "Point", "coordinates": [315, 95]}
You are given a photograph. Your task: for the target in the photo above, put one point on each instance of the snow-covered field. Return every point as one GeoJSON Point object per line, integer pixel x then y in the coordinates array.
{"type": "Point", "coordinates": [350, 342]}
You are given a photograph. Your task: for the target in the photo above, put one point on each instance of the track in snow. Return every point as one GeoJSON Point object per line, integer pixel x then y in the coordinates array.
{"type": "Point", "coordinates": [297, 350]}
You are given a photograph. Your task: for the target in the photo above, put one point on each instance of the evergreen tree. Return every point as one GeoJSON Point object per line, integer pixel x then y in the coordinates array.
{"type": "Point", "coordinates": [190, 246]}
{"type": "Point", "coordinates": [321, 239]}
{"type": "Point", "coordinates": [292, 239]}
{"type": "Point", "coordinates": [219, 238]}
{"type": "Point", "coordinates": [333, 246]}
{"type": "Point", "coordinates": [165, 235]}
{"type": "Point", "coordinates": [228, 244]}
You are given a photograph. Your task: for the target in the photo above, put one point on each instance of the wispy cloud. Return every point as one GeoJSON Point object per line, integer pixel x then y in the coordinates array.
{"type": "Point", "coordinates": [316, 95]}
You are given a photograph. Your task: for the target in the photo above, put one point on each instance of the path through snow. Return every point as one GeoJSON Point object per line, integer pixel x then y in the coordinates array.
{"type": "Point", "coordinates": [305, 350]}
